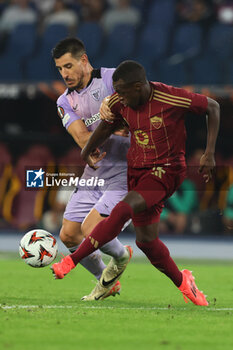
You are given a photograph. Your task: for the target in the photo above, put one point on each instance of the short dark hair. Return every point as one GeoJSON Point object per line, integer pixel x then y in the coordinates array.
{"type": "Point", "coordinates": [74, 46]}
{"type": "Point", "coordinates": [130, 72]}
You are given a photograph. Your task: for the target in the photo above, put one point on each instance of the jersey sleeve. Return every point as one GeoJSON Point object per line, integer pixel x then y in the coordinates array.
{"type": "Point", "coordinates": [116, 107]}
{"type": "Point", "coordinates": [65, 111]}
{"type": "Point", "coordinates": [199, 103]}
{"type": "Point", "coordinates": [183, 98]}
{"type": "Point", "coordinates": [106, 74]}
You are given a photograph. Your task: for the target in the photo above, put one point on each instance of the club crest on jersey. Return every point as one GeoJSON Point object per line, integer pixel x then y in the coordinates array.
{"type": "Point", "coordinates": [141, 137]}
{"type": "Point", "coordinates": [156, 121]}
{"type": "Point", "coordinates": [96, 94]}
{"type": "Point", "coordinates": [61, 112]}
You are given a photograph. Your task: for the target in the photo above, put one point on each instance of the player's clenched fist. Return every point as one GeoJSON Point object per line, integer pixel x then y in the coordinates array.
{"type": "Point", "coordinates": [95, 157]}
{"type": "Point", "coordinates": [107, 115]}
{"type": "Point", "coordinates": [207, 165]}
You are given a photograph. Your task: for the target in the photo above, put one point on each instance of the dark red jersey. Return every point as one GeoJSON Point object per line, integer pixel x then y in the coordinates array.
{"type": "Point", "coordinates": [157, 128]}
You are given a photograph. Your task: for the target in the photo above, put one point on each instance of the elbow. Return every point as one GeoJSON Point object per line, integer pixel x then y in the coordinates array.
{"type": "Point", "coordinates": [216, 107]}
{"type": "Point", "coordinates": [213, 107]}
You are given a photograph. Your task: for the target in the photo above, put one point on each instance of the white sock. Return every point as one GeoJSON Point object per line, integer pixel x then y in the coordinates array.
{"type": "Point", "coordinates": [114, 248]}
{"type": "Point", "coordinates": [92, 263]}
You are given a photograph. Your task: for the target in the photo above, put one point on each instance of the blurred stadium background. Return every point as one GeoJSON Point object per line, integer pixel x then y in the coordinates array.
{"type": "Point", "coordinates": [186, 43]}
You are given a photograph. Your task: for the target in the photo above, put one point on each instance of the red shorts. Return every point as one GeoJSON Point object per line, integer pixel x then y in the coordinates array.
{"type": "Point", "coordinates": [155, 185]}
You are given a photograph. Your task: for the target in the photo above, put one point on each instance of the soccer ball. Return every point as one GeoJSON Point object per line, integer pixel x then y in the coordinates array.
{"type": "Point", "coordinates": [38, 248]}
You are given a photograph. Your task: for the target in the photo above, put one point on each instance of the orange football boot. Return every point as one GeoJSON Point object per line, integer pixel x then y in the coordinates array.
{"type": "Point", "coordinates": [189, 290]}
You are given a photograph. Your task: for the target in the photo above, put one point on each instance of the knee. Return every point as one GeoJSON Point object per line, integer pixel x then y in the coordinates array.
{"type": "Point", "coordinates": [135, 201]}
{"type": "Point", "coordinates": [70, 237]}
{"type": "Point", "coordinates": [85, 229]}
{"type": "Point", "coordinates": [65, 235]}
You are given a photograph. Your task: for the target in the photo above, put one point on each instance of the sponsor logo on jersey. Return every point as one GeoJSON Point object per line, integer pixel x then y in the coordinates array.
{"type": "Point", "coordinates": [158, 171]}
{"type": "Point", "coordinates": [75, 107]}
{"type": "Point", "coordinates": [156, 121]}
{"type": "Point", "coordinates": [94, 118]}
{"type": "Point", "coordinates": [61, 112]}
{"type": "Point", "coordinates": [96, 94]}
{"type": "Point", "coordinates": [141, 137]}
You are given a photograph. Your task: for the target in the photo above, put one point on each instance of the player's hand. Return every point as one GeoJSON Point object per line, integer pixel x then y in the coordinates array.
{"type": "Point", "coordinates": [94, 158]}
{"type": "Point", "coordinates": [105, 111]}
{"type": "Point", "coordinates": [122, 132]}
{"type": "Point", "coordinates": [207, 165]}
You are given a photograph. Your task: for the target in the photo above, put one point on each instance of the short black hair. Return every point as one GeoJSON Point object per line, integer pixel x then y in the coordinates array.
{"type": "Point", "coordinates": [130, 72]}
{"type": "Point", "coordinates": [74, 46]}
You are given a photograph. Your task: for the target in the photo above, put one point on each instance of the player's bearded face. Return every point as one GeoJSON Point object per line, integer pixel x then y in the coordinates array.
{"type": "Point", "coordinates": [71, 70]}
{"type": "Point", "coordinates": [129, 94]}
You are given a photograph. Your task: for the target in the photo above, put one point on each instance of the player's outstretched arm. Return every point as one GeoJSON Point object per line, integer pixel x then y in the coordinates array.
{"type": "Point", "coordinates": [101, 133]}
{"type": "Point", "coordinates": [207, 161]}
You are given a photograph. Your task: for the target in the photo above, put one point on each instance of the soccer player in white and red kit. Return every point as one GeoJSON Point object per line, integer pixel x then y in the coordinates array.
{"type": "Point", "coordinates": [154, 113]}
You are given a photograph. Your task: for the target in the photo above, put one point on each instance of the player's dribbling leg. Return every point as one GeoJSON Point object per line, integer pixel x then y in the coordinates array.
{"type": "Point", "coordinates": [72, 237]}
{"type": "Point", "coordinates": [103, 232]}
{"type": "Point", "coordinates": [159, 256]}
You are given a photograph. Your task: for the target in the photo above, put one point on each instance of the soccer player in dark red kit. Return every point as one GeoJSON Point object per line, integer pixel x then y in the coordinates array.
{"type": "Point", "coordinates": [155, 115]}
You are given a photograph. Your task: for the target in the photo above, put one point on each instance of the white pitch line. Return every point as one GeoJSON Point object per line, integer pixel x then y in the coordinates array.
{"type": "Point", "coordinates": [10, 307]}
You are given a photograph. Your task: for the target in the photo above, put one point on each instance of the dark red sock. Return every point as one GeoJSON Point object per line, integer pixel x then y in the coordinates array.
{"type": "Point", "coordinates": [159, 256]}
{"type": "Point", "coordinates": [104, 231]}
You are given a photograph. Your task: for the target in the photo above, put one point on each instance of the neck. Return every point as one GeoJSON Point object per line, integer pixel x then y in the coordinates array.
{"type": "Point", "coordinates": [146, 93]}
{"type": "Point", "coordinates": [84, 80]}
{"type": "Point", "coordinates": [87, 76]}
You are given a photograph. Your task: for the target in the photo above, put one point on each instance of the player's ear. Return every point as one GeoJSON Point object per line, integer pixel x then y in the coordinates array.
{"type": "Point", "coordinates": [84, 58]}
{"type": "Point", "coordinates": [138, 85]}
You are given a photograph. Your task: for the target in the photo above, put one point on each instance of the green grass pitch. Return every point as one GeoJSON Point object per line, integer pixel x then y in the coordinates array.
{"type": "Point", "coordinates": [38, 312]}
